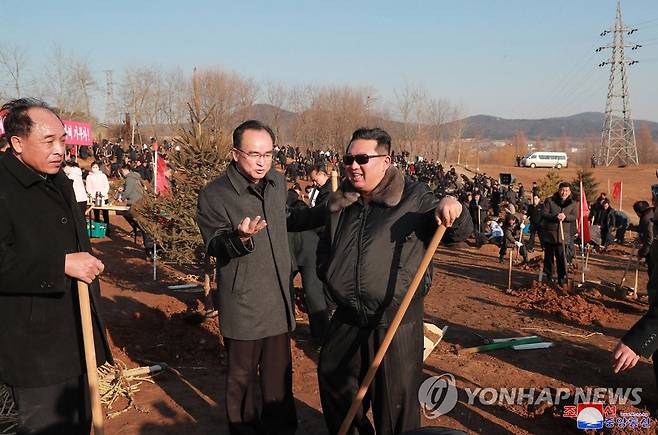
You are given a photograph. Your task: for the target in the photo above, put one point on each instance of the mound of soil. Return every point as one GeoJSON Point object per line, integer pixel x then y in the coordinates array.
{"type": "Point", "coordinates": [533, 264]}
{"type": "Point", "coordinates": [571, 307]}
{"type": "Point", "coordinates": [615, 251]}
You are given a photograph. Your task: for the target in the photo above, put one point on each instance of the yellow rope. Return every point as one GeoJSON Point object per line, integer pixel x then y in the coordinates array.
{"type": "Point", "coordinates": [564, 333]}
{"type": "Point", "coordinates": [113, 383]}
{"type": "Point", "coordinates": [8, 413]}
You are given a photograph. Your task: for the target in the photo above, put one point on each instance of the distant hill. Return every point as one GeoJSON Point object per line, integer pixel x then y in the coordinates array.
{"type": "Point", "coordinates": [575, 126]}
{"type": "Point", "coordinates": [578, 126]}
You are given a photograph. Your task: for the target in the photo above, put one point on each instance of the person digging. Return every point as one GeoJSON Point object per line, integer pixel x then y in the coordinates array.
{"type": "Point", "coordinates": [512, 231]}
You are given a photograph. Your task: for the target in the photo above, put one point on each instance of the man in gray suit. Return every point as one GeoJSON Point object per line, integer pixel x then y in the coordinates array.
{"type": "Point", "coordinates": [244, 223]}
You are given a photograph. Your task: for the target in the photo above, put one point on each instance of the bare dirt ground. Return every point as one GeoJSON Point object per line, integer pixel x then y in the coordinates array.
{"type": "Point", "coordinates": [149, 323]}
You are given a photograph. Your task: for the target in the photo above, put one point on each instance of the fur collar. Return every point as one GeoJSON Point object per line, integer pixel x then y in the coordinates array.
{"type": "Point", "coordinates": [558, 200]}
{"type": "Point", "coordinates": [387, 193]}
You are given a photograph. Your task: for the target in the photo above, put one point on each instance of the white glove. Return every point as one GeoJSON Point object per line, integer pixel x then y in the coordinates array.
{"type": "Point", "coordinates": [522, 225]}
{"type": "Point", "coordinates": [518, 244]}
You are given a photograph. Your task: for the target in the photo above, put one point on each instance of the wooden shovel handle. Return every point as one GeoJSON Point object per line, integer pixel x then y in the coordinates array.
{"type": "Point", "coordinates": [90, 357]}
{"type": "Point", "coordinates": [392, 329]}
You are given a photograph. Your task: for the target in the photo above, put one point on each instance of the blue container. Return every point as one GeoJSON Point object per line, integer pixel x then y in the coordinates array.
{"type": "Point", "coordinates": [96, 229]}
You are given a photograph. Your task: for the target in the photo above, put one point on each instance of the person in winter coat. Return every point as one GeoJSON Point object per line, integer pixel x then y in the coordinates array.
{"type": "Point", "coordinates": [607, 223]}
{"type": "Point", "coordinates": [381, 226]}
{"type": "Point", "coordinates": [645, 230]}
{"type": "Point", "coordinates": [534, 215]}
{"type": "Point", "coordinates": [478, 209]}
{"type": "Point", "coordinates": [494, 232]}
{"type": "Point", "coordinates": [303, 248]}
{"type": "Point", "coordinates": [511, 238]}
{"type": "Point", "coordinates": [642, 338]}
{"type": "Point", "coordinates": [73, 171]}
{"type": "Point", "coordinates": [44, 252]}
{"type": "Point", "coordinates": [244, 223]}
{"type": "Point", "coordinates": [559, 208]}
{"type": "Point", "coordinates": [596, 208]}
{"type": "Point", "coordinates": [97, 183]}
{"type": "Point", "coordinates": [621, 226]}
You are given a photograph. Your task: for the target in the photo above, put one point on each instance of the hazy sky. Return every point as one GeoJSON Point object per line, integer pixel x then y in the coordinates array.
{"type": "Point", "coordinates": [509, 58]}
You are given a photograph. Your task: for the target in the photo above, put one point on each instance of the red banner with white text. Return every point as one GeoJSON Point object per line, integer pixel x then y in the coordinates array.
{"type": "Point", "coordinates": [77, 133]}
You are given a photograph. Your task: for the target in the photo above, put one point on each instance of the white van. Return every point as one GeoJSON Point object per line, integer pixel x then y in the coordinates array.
{"type": "Point", "coordinates": [545, 159]}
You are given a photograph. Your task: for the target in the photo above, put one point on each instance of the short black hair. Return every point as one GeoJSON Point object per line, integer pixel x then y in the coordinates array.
{"type": "Point", "coordinates": [564, 184]}
{"type": "Point", "coordinates": [378, 134]}
{"type": "Point", "coordinates": [17, 122]}
{"type": "Point", "coordinates": [640, 206]}
{"type": "Point", "coordinates": [252, 124]}
{"type": "Point", "coordinates": [318, 168]}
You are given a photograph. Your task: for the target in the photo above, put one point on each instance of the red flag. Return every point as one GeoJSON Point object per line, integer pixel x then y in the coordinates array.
{"type": "Point", "coordinates": [616, 190]}
{"type": "Point", "coordinates": [162, 182]}
{"type": "Point", "coordinates": [583, 216]}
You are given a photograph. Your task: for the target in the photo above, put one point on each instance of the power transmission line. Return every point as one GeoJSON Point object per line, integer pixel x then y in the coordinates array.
{"type": "Point", "coordinates": [618, 134]}
{"type": "Point", "coordinates": [110, 105]}
{"type": "Point", "coordinates": [566, 82]}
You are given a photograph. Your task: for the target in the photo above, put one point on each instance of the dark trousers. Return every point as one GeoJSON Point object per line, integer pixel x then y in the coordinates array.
{"type": "Point", "coordinates": [344, 360]}
{"type": "Point", "coordinates": [57, 409]}
{"type": "Point", "coordinates": [271, 358]}
{"type": "Point", "coordinates": [106, 219]}
{"type": "Point", "coordinates": [137, 228]}
{"type": "Point", "coordinates": [523, 252]}
{"type": "Point", "coordinates": [534, 232]}
{"type": "Point", "coordinates": [554, 251]}
{"type": "Point", "coordinates": [106, 216]}
{"type": "Point", "coordinates": [316, 303]}
{"type": "Point", "coordinates": [606, 236]}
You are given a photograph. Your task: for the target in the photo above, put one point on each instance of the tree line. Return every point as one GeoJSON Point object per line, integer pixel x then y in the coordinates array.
{"type": "Point", "coordinates": [312, 116]}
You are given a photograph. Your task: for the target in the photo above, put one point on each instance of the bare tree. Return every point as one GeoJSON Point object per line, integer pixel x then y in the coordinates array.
{"type": "Point", "coordinates": [404, 105]}
{"type": "Point", "coordinates": [176, 94]}
{"type": "Point", "coordinates": [300, 99]}
{"type": "Point", "coordinates": [82, 85]}
{"type": "Point", "coordinates": [137, 90]}
{"type": "Point", "coordinates": [438, 110]}
{"type": "Point", "coordinates": [56, 82]}
{"type": "Point", "coordinates": [520, 143]}
{"type": "Point", "coordinates": [458, 124]}
{"type": "Point", "coordinates": [646, 147]}
{"type": "Point", "coordinates": [276, 96]}
{"type": "Point", "coordinates": [13, 60]}
{"type": "Point", "coordinates": [227, 97]}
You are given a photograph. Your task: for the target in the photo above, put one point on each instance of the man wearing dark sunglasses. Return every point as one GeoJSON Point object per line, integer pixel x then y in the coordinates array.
{"type": "Point", "coordinates": [380, 229]}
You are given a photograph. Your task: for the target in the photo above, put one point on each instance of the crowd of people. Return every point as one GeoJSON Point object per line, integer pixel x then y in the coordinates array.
{"type": "Point", "coordinates": [356, 247]}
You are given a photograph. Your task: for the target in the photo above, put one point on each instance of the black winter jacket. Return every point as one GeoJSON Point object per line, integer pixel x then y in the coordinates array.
{"type": "Point", "coordinates": [40, 333]}
{"type": "Point", "coordinates": [643, 336]}
{"type": "Point", "coordinates": [551, 226]}
{"type": "Point", "coordinates": [645, 231]}
{"type": "Point", "coordinates": [378, 246]}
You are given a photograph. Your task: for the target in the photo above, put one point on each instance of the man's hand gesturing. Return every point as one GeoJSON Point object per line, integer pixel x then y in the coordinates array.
{"type": "Point", "coordinates": [249, 227]}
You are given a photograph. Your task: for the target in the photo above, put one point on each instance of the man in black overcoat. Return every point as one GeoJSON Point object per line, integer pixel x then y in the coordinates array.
{"type": "Point", "coordinates": [44, 251]}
